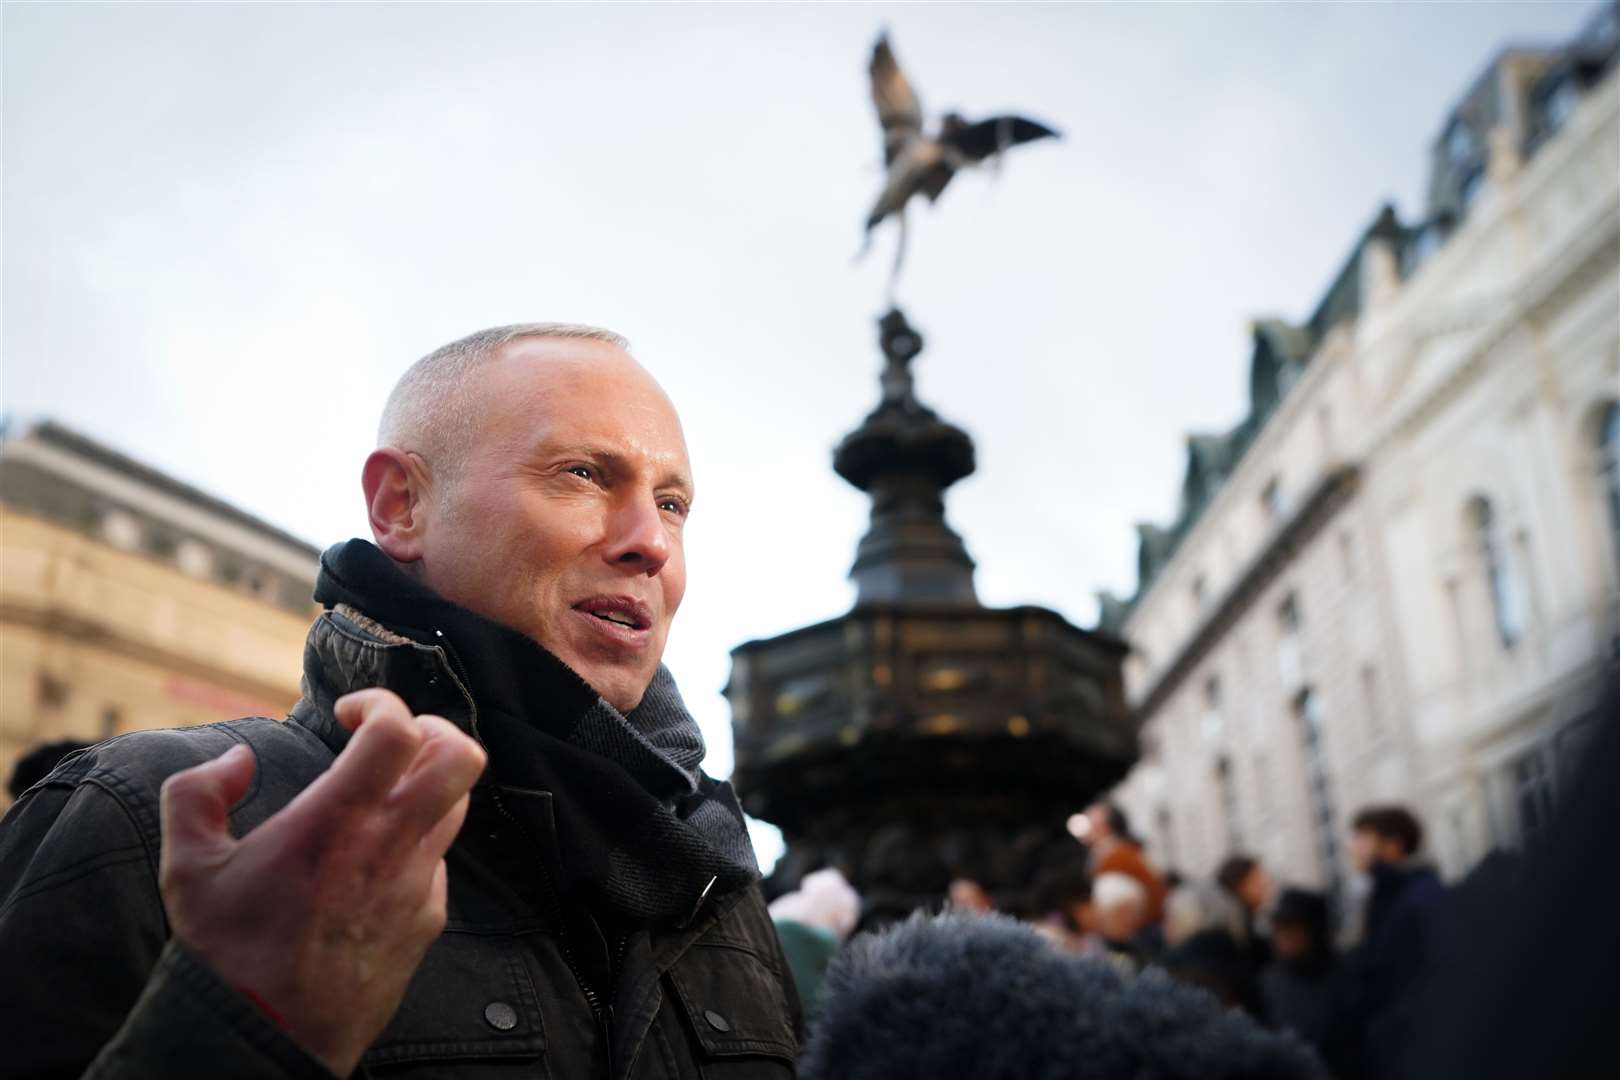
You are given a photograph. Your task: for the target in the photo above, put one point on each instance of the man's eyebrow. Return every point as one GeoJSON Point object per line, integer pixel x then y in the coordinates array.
{"type": "Point", "coordinates": [591, 452]}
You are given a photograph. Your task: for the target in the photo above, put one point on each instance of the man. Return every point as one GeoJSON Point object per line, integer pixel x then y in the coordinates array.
{"type": "Point", "coordinates": [1114, 850]}
{"type": "Point", "coordinates": [481, 844]}
{"type": "Point", "coordinates": [1405, 928]}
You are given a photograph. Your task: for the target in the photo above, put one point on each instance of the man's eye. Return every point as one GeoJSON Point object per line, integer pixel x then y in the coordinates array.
{"type": "Point", "coordinates": [674, 506]}
{"type": "Point", "coordinates": [584, 472]}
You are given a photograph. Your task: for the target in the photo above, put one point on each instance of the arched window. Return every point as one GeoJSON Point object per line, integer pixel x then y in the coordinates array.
{"type": "Point", "coordinates": [1609, 469]}
{"type": "Point", "coordinates": [1496, 564]}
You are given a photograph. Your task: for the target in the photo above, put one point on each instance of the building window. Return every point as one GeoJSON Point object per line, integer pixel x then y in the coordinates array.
{"type": "Point", "coordinates": [1425, 243]}
{"type": "Point", "coordinates": [1533, 790]}
{"type": "Point", "coordinates": [1558, 104]}
{"type": "Point", "coordinates": [1167, 837]}
{"type": "Point", "coordinates": [1371, 703]}
{"type": "Point", "coordinates": [1347, 555]}
{"type": "Point", "coordinates": [1609, 470]}
{"type": "Point", "coordinates": [1212, 722]}
{"type": "Point", "coordinates": [1229, 803]}
{"type": "Point", "coordinates": [121, 530]}
{"type": "Point", "coordinates": [1468, 191]}
{"type": "Point", "coordinates": [1319, 790]}
{"type": "Point", "coordinates": [1460, 142]}
{"type": "Point", "coordinates": [1495, 564]}
{"type": "Point", "coordinates": [1289, 669]}
{"type": "Point", "coordinates": [50, 691]}
{"type": "Point", "coordinates": [1200, 593]}
{"type": "Point", "coordinates": [1271, 499]}
{"type": "Point", "coordinates": [111, 718]}
{"type": "Point", "coordinates": [194, 558]}
{"type": "Point", "coordinates": [1265, 798]}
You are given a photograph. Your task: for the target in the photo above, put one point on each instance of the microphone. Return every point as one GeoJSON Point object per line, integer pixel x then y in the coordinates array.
{"type": "Point", "coordinates": [985, 996]}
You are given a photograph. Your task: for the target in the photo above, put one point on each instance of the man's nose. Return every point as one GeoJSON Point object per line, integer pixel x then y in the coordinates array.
{"type": "Point", "coordinates": [637, 535]}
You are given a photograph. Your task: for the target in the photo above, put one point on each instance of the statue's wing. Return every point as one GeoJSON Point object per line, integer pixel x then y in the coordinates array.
{"type": "Point", "coordinates": [934, 180]}
{"type": "Point", "coordinates": [975, 142]}
{"type": "Point", "coordinates": [898, 108]}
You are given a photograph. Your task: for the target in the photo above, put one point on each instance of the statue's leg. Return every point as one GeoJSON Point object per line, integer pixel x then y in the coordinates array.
{"type": "Point", "coordinates": [899, 256]}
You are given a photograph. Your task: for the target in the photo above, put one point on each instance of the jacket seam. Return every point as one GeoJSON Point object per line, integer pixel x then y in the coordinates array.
{"type": "Point", "coordinates": [57, 879]}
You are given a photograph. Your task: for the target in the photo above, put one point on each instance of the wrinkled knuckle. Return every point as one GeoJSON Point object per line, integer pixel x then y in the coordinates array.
{"type": "Point", "coordinates": [178, 786]}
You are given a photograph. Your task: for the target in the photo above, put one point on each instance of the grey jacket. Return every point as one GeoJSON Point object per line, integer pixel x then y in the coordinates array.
{"type": "Point", "coordinates": [91, 984]}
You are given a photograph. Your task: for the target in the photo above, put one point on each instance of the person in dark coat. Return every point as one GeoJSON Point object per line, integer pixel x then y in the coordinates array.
{"type": "Point", "coordinates": [1406, 928]}
{"type": "Point", "coordinates": [1301, 987]}
{"type": "Point", "coordinates": [483, 844]}
{"type": "Point", "coordinates": [37, 764]}
{"type": "Point", "coordinates": [1530, 992]}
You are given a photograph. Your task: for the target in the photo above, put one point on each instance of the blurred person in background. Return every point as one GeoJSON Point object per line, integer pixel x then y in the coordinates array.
{"type": "Point", "coordinates": [1064, 911]}
{"type": "Point", "coordinates": [1119, 911]}
{"type": "Point", "coordinates": [1300, 989]}
{"type": "Point", "coordinates": [1205, 937]}
{"type": "Point", "coordinates": [1529, 992]}
{"type": "Point", "coordinates": [1114, 850]}
{"type": "Point", "coordinates": [37, 764]}
{"type": "Point", "coordinates": [965, 894]}
{"type": "Point", "coordinates": [813, 922]}
{"type": "Point", "coordinates": [1247, 882]}
{"type": "Point", "coordinates": [1405, 933]}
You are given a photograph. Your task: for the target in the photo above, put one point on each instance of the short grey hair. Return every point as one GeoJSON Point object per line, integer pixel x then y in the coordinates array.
{"type": "Point", "coordinates": [431, 409]}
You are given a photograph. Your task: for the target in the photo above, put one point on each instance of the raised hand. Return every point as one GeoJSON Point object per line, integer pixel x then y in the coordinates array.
{"type": "Point", "coordinates": [325, 910]}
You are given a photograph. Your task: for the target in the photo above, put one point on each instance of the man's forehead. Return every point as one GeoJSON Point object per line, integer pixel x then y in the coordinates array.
{"type": "Point", "coordinates": [586, 395]}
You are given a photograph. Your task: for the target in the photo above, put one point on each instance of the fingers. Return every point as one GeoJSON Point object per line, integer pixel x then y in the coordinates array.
{"type": "Point", "coordinates": [354, 709]}
{"type": "Point", "coordinates": [438, 839]}
{"type": "Point", "coordinates": [194, 806]}
{"type": "Point", "coordinates": [445, 769]}
{"type": "Point", "coordinates": [385, 743]}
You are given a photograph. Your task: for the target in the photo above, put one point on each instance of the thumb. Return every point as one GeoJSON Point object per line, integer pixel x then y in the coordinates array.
{"type": "Point", "coordinates": [195, 804]}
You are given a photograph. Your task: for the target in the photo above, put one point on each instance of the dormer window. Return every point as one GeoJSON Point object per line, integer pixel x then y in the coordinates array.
{"type": "Point", "coordinates": [1468, 191]}
{"type": "Point", "coordinates": [1559, 102]}
{"type": "Point", "coordinates": [1418, 249]}
{"type": "Point", "coordinates": [1460, 143]}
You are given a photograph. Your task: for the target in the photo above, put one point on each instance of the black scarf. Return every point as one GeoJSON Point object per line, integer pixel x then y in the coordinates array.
{"type": "Point", "coordinates": [640, 827]}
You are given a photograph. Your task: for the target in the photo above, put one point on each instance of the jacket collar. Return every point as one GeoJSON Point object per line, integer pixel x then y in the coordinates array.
{"type": "Point", "coordinates": [348, 651]}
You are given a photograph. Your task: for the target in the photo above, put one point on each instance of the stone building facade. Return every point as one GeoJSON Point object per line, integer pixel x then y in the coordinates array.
{"type": "Point", "coordinates": [1398, 578]}
{"type": "Point", "coordinates": [129, 600]}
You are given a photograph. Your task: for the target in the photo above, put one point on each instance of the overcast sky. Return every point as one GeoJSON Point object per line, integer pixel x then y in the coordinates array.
{"type": "Point", "coordinates": [227, 230]}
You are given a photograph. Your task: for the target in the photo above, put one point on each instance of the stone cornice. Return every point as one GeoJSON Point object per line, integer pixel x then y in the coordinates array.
{"type": "Point", "coordinates": [1324, 501]}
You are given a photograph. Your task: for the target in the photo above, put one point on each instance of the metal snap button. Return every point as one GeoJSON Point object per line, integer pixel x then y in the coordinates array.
{"type": "Point", "coordinates": [500, 1016]}
{"type": "Point", "coordinates": [715, 1020]}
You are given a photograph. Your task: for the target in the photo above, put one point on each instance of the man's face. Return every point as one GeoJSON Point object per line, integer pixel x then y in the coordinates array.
{"type": "Point", "coordinates": [1119, 922]}
{"type": "Point", "coordinates": [1255, 888]}
{"type": "Point", "coordinates": [1363, 849]}
{"type": "Point", "coordinates": [565, 519]}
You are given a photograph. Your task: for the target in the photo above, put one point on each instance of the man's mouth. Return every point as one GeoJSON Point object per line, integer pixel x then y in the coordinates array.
{"type": "Point", "coordinates": [618, 610]}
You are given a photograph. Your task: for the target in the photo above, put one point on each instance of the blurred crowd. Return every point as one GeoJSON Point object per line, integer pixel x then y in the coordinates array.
{"type": "Point", "coordinates": [1348, 983]}
{"type": "Point", "coordinates": [1410, 970]}
{"type": "Point", "coordinates": [1506, 973]}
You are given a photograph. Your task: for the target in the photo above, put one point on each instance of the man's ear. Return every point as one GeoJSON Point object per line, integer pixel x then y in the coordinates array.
{"type": "Point", "coordinates": [395, 484]}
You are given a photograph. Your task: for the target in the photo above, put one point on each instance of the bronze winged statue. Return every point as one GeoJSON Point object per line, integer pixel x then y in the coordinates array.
{"type": "Point", "coordinates": [917, 162]}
